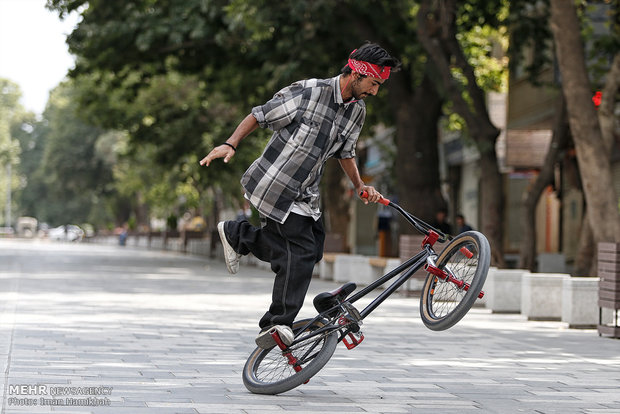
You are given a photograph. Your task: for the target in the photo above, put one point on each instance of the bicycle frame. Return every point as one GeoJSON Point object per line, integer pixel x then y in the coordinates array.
{"type": "Point", "coordinates": [405, 270]}
{"type": "Point", "coordinates": [454, 275]}
{"type": "Point", "coordinates": [409, 268]}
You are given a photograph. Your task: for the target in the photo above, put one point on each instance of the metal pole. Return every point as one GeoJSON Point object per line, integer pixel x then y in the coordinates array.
{"type": "Point", "coordinates": [8, 195]}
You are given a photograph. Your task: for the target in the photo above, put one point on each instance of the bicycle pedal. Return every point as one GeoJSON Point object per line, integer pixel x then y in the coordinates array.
{"type": "Point", "coordinates": [356, 339]}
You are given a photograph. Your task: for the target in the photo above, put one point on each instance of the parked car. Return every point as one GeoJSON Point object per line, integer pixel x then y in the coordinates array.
{"type": "Point", "coordinates": [44, 228]}
{"type": "Point", "coordinates": [89, 230]}
{"type": "Point", "coordinates": [69, 232]}
{"type": "Point", "coordinates": [7, 231]}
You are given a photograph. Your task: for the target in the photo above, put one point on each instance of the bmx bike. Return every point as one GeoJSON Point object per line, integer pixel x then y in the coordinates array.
{"type": "Point", "coordinates": [454, 282]}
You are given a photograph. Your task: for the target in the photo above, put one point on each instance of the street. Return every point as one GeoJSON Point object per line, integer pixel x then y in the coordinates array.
{"type": "Point", "coordinates": [87, 328]}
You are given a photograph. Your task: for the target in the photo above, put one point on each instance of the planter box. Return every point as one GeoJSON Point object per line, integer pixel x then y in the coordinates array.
{"type": "Point", "coordinates": [352, 268]}
{"type": "Point", "coordinates": [541, 296]}
{"type": "Point", "coordinates": [379, 266]}
{"type": "Point", "coordinates": [409, 246]}
{"type": "Point", "coordinates": [198, 247]}
{"type": "Point", "coordinates": [363, 270]}
{"type": "Point", "coordinates": [503, 290]}
{"type": "Point", "coordinates": [326, 266]}
{"type": "Point", "coordinates": [382, 266]}
{"type": "Point", "coordinates": [579, 302]}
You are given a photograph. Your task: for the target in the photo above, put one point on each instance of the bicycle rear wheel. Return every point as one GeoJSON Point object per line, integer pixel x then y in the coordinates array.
{"type": "Point", "coordinates": [268, 371]}
{"type": "Point", "coordinates": [444, 302]}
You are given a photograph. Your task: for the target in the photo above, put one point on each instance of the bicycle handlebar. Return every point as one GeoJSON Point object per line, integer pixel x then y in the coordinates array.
{"type": "Point", "coordinates": [420, 225]}
{"type": "Point", "coordinates": [384, 201]}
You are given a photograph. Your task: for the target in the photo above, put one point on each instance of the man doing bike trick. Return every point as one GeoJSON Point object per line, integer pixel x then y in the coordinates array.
{"type": "Point", "coordinates": [312, 120]}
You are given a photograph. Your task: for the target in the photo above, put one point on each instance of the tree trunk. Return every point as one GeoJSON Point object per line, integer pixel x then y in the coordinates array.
{"type": "Point", "coordinates": [585, 265]}
{"type": "Point", "coordinates": [606, 116]}
{"type": "Point", "coordinates": [594, 164]}
{"type": "Point", "coordinates": [417, 156]}
{"type": "Point", "coordinates": [141, 210]}
{"type": "Point", "coordinates": [334, 190]}
{"type": "Point", "coordinates": [437, 33]}
{"type": "Point", "coordinates": [417, 110]}
{"type": "Point", "coordinates": [558, 143]}
{"type": "Point", "coordinates": [492, 205]}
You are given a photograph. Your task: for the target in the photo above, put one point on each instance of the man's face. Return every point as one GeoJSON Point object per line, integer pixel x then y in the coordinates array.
{"type": "Point", "coordinates": [364, 86]}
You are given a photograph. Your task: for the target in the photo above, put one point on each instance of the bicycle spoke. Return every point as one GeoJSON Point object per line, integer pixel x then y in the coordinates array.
{"type": "Point", "coordinates": [275, 365]}
{"type": "Point", "coordinates": [302, 359]}
{"type": "Point", "coordinates": [446, 294]}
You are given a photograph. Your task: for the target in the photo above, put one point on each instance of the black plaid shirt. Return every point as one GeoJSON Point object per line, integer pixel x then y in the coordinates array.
{"type": "Point", "coordinates": [311, 123]}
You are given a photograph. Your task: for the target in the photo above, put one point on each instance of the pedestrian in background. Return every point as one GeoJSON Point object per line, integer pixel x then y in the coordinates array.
{"type": "Point", "coordinates": [441, 221]}
{"type": "Point", "coordinates": [461, 224]}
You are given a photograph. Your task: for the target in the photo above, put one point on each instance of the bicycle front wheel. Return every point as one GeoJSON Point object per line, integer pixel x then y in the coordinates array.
{"type": "Point", "coordinates": [466, 260]}
{"type": "Point", "coordinates": [269, 371]}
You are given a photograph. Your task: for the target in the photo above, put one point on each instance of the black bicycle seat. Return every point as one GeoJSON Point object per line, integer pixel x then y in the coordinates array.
{"type": "Point", "coordinates": [326, 300]}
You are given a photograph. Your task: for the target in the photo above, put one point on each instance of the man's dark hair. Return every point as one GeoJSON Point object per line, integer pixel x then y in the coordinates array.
{"type": "Point", "coordinates": [375, 54]}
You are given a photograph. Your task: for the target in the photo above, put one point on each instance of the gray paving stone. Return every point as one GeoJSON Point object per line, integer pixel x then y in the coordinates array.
{"type": "Point", "coordinates": [171, 333]}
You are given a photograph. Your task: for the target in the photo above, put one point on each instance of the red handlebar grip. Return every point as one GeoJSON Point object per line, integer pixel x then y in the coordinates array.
{"type": "Point", "coordinates": [384, 201]}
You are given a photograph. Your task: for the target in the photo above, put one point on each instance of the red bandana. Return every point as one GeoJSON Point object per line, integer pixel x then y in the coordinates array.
{"type": "Point", "coordinates": [369, 69]}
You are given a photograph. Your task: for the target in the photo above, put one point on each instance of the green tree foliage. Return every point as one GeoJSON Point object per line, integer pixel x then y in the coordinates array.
{"type": "Point", "coordinates": [531, 42]}
{"type": "Point", "coordinates": [66, 179]}
{"type": "Point", "coordinates": [182, 74]}
{"type": "Point", "coordinates": [184, 67]}
{"type": "Point", "coordinates": [30, 134]}
{"type": "Point", "coordinates": [10, 111]}
{"type": "Point", "coordinates": [179, 75]}
{"type": "Point", "coordinates": [448, 30]}
{"type": "Point", "coordinates": [530, 37]}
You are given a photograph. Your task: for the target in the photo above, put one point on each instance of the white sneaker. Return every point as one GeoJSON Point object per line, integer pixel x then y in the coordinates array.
{"type": "Point", "coordinates": [231, 257]}
{"type": "Point", "coordinates": [264, 339]}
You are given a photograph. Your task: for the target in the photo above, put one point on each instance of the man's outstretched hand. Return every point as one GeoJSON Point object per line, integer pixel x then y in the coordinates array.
{"type": "Point", "coordinates": [221, 151]}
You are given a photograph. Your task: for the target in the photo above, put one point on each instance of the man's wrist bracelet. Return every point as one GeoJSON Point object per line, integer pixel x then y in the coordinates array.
{"type": "Point", "coordinates": [230, 145]}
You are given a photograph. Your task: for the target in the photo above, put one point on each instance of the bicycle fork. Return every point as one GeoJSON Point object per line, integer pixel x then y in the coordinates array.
{"type": "Point", "coordinates": [447, 276]}
{"type": "Point", "coordinates": [286, 352]}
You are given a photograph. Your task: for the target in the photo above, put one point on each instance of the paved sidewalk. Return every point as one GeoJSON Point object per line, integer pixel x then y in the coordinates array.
{"type": "Point", "coordinates": [141, 331]}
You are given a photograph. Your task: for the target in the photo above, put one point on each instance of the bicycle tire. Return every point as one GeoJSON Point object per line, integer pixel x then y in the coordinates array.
{"type": "Point", "coordinates": [267, 371]}
{"type": "Point", "coordinates": [443, 303]}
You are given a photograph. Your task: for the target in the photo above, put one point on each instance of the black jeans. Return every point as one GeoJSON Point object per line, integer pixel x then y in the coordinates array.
{"type": "Point", "coordinates": [292, 248]}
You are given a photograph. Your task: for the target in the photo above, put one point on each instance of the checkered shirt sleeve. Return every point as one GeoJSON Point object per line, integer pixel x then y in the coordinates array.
{"type": "Point", "coordinates": [309, 127]}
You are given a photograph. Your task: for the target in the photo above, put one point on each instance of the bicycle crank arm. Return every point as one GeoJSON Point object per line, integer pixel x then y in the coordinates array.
{"type": "Point", "coordinates": [431, 268]}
